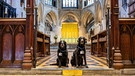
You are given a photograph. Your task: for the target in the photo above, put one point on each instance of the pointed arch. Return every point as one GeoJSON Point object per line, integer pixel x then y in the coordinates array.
{"type": "Point", "coordinates": [7, 27]}
{"type": "Point", "coordinates": [87, 17]}
{"type": "Point", "coordinates": [65, 15]}
{"type": "Point", "coordinates": [40, 12]}
{"type": "Point", "coordinates": [98, 12]}
{"type": "Point", "coordinates": [51, 17]}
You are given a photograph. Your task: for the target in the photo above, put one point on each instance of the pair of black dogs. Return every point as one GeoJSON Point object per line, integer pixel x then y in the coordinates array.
{"type": "Point", "coordinates": [78, 55]}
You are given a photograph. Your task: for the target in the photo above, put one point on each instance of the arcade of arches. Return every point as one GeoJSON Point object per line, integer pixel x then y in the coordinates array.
{"type": "Point", "coordinates": [27, 40]}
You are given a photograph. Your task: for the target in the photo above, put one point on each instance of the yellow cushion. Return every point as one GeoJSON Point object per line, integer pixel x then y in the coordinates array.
{"type": "Point", "coordinates": [72, 72]}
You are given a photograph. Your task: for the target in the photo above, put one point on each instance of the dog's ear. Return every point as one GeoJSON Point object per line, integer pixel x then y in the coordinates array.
{"type": "Point", "coordinates": [78, 40]}
{"type": "Point", "coordinates": [59, 44]}
{"type": "Point", "coordinates": [65, 42]}
{"type": "Point", "coordinates": [85, 40]}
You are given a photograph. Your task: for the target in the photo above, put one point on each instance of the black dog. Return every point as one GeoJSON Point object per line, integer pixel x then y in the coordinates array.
{"type": "Point", "coordinates": [62, 54]}
{"type": "Point", "coordinates": [79, 53]}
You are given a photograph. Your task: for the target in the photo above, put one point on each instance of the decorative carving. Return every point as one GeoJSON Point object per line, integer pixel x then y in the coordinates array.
{"type": "Point", "coordinates": [116, 10]}
{"type": "Point", "coordinates": [124, 28]}
{"type": "Point", "coordinates": [20, 29]}
{"type": "Point", "coordinates": [7, 29]}
{"type": "Point", "coordinates": [28, 9]}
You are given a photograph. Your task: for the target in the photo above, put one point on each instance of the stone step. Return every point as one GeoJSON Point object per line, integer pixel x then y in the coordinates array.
{"type": "Point", "coordinates": [100, 72]}
{"type": "Point", "coordinates": [59, 72]}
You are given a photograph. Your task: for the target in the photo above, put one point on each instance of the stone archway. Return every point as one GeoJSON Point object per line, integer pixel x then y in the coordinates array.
{"type": "Point", "coordinates": [50, 25]}
{"type": "Point", "coordinates": [88, 22]}
{"type": "Point", "coordinates": [98, 13]}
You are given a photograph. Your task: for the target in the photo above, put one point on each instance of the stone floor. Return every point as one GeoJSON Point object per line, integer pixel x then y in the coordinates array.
{"type": "Point", "coordinates": [46, 62]}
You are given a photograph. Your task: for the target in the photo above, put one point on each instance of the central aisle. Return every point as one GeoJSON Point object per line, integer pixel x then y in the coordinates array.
{"type": "Point", "coordinates": [46, 62]}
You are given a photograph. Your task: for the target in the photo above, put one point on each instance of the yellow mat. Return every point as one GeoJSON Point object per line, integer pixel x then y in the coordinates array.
{"type": "Point", "coordinates": [72, 72]}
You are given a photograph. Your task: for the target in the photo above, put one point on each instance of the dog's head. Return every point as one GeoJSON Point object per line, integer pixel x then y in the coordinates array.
{"type": "Point", "coordinates": [81, 41]}
{"type": "Point", "coordinates": [62, 44]}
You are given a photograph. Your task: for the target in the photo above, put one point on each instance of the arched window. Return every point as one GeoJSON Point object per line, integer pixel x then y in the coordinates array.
{"type": "Point", "coordinates": [69, 3]}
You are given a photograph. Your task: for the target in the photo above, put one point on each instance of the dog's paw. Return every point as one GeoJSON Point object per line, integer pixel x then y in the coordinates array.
{"type": "Point", "coordinates": [66, 65]}
{"type": "Point", "coordinates": [77, 66]}
{"type": "Point", "coordinates": [86, 66]}
{"type": "Point", "coordinates": [59, 66]}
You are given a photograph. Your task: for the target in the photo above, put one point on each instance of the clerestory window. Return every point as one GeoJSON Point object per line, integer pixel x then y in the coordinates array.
{"type": "Point", "coordinates": [69, 3]}
{"type": "Point", "coordinates": [51, 2]}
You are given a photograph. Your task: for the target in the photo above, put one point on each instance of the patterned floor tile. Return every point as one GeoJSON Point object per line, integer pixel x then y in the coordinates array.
{"type": "Point", "coordinates": [50, 61]}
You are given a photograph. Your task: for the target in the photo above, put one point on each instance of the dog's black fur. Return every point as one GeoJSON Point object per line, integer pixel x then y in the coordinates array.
{"type": "Point", "coordinates": [62, 54]}
{"type": "Point", "coordinates": [78, 56]}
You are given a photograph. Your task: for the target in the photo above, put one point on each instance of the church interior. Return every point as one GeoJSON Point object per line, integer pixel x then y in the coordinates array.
{"type": "Point", "coordinates": [30, 32]}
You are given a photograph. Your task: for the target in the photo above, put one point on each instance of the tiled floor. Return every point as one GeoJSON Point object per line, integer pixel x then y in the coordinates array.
{"type": "Point", "coordinates": [46, 62]}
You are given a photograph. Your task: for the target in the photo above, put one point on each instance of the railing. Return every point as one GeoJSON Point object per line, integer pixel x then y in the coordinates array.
{"type": "Point", "coordinates": [12, 42]}
{"type": "Point", "coordinates": [7, 10]}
